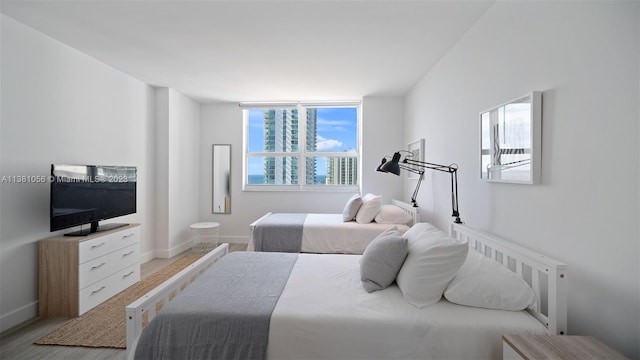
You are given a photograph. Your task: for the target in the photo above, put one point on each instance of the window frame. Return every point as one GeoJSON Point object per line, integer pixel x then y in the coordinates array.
{"type": "Point", "coordinates": [302, 153]}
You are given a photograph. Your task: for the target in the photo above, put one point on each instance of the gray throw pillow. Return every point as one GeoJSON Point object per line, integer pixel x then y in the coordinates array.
{"type": "Point", "coordinates": [351, 208]}
{"type": "Point", "coordinates": [382, 260]}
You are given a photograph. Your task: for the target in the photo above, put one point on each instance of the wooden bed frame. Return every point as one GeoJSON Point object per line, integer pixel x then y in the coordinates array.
{"type": "Point", "coordinates": [548, 278]}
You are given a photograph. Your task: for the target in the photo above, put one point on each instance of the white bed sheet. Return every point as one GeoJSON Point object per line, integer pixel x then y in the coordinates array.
{"type": "Point", "coordinates": [329, 234]}
{"type": "Point", "coordinates": [324, 312]}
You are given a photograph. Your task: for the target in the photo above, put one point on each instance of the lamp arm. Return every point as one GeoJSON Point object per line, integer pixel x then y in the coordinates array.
{"type": "Point", "coordinates": [410, 169]}
{"type": "Point", "coordinates": [427, 165]}
{"type": "Point", "coordinates": [414, 202]}
{"type": "Point", "coordinates": [415, 192]}
{"type": "Point", "coordinates": [451, 169]}
{"type": "Point", "coordinates": [454, 197]}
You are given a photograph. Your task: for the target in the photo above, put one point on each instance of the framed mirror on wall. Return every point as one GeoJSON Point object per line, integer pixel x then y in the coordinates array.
{"type": "Point", "coordinates": [510, 143]}
{"type": "Point", "coordinates": [221, 179]}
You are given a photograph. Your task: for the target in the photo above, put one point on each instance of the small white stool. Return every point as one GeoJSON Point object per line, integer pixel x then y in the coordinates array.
{"type": "Point", "coordinates": [204, 236]}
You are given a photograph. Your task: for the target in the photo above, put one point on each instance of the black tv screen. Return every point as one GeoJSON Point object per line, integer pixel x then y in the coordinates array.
{"type": "Point", "coordinates": [87, 194]}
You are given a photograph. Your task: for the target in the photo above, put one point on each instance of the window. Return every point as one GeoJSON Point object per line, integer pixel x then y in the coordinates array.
{"type": "Point", "coordinates": [301, 147]}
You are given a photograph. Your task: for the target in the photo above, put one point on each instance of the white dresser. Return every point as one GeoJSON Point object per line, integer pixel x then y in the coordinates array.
{"type": "Point", "coordinates": [78, 273]}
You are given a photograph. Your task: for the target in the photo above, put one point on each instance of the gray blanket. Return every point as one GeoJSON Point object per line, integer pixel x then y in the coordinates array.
{"type": "Point", "coordinates": [224, 314]}
{"type": "Point", "coordinates": [280, 232]}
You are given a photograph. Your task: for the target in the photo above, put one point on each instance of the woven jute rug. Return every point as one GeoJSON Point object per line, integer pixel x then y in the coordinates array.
{"type": "Point", "coordinates": [104, 326]}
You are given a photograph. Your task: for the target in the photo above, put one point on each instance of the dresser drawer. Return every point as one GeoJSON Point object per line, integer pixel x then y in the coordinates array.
{"type": "Point", "coordinates": [100, 268]}
{"type": "Point", "coordinates": [102, 290]}
{"type": "Point", "coordinates": [105, 244]}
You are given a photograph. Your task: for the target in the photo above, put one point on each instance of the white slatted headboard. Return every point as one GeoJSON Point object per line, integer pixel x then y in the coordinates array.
{"type": "Point", "coordinates": [546, 276]}
{"type": "Point", "coordinates": [409, 209]}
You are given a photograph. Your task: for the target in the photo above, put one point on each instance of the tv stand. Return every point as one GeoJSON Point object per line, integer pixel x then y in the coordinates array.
{"type": "Point", "coordinates": [78, 273]}
{"type": "Point", "coordinates": [96, 229]}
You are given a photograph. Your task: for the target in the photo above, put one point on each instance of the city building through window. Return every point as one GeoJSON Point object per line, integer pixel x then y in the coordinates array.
{"type": "Point", "coordinates": [301, 147]}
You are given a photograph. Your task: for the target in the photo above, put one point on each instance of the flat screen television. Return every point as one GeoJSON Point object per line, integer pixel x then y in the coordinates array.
{"type": "Point", "coordinates": [87, 194]}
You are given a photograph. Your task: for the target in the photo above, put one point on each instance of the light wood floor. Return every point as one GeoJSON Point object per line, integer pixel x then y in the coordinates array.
{"type": "Point", "coordinates": [18, 344]}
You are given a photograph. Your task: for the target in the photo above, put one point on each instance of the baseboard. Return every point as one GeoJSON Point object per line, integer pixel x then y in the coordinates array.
{"type": "Point", "coordinates": [233, 239]}
{"type": "Point", "coordinates": [18, 316]}
{"type": "Point", "coordinates": [169, 253]}
{"type": "Point", "coordinates": [147, 256]}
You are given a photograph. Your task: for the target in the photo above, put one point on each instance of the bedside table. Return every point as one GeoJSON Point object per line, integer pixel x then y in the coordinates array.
{"type": "Point", "coordinates": [530, 347]}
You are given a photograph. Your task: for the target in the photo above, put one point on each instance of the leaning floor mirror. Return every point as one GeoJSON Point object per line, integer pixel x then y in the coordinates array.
{"type": "Point", "coordinates": [221, 179]}
{"type": "Point", "coordinates": [510, 141]}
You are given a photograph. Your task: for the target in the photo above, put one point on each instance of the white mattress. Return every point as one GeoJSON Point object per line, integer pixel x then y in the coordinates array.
{"type": "Point", "coordinates": [329, 234]}
{"type": "Point", "coordinates": [324, 312]}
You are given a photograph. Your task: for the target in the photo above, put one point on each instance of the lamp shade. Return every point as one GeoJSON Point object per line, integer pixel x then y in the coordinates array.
{"type": "Point", "coordinates": [392, 166]}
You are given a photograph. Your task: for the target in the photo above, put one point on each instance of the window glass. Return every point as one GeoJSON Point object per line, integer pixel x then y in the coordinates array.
{"type": "Point", "coordinates": [273, 170]}
{"type": "Point", "coordinates": [334, 170]}
{"type": "Point", "coordinates": [273, 130]}
{"type": "Point", "coordinates": [332, 129]}
{"type": "Point", "coordinates": [307, 146]}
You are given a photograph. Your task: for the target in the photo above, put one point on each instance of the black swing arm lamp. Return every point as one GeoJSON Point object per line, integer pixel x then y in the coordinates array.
{"type": "Point", "coordinates": [418, 167]}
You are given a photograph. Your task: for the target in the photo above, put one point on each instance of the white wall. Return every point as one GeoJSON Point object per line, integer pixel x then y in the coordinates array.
{"type": "Point", "coordinates": [222, 124]}
{"type": "Point", "coordinates": [61, 106]}
{"type": "Point", "coordinates": [584, 56]}
{"type": "Point", "coordinates": [178, 162]}
{"type": "Point", "coordinates": [382, 134]}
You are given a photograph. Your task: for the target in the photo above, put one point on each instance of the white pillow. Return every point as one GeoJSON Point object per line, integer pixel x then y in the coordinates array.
{"type": "Point", "coordinates": [351, 208]}
{"type": "Point", "coordinates": [420, 230]}
{"type": "Point", "coordinates": [391, 214]}
{"type": "Point", "coordinates": [482, 282]}
{"type": "Point", "coordinates": [370, 206]}
{"type": "Point", "coordinates": [432, 261]}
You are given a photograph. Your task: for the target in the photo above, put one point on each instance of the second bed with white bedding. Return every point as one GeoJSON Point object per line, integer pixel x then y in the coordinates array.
{"type": "Point", "coordinates": [329, 234]}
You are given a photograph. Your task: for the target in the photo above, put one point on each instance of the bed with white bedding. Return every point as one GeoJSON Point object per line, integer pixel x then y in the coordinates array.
{"type": "Point", "coordinates": [326, 315]}
{"type": "Point", "coordinates": [323, 310]}
{"type": "Point", "coordinates": [327, 233]}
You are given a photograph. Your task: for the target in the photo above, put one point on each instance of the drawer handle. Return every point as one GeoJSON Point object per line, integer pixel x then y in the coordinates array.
{"type": "Point", "coordinates": [127, 275]}
{"type": "Point", "coordinates": [97, 291]}
{"type": "Point", "coordinates": [127, 254]}
{"type": "Point", "coordinates": [98, 266]}
{"type": "Point", "coordinates": [126, 236]}
{"type": "Point", "coordinates": [97, 246]}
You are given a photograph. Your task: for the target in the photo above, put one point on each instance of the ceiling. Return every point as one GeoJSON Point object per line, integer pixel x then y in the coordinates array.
{"type": "Point", "coordinates": [219, 51]}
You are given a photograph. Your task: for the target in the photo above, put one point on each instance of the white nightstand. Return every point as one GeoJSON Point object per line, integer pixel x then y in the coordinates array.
{"type": "Point", "coordinates": [530, 347]}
